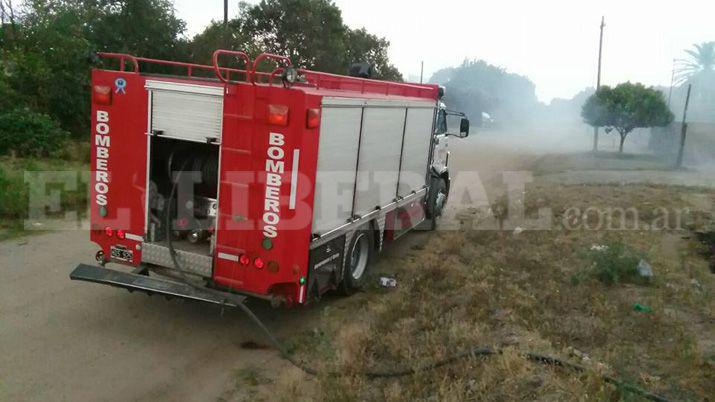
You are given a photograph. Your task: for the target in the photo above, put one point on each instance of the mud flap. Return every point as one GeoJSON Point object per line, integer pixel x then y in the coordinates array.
{"type": "Point", "coordinates": [151, 285]}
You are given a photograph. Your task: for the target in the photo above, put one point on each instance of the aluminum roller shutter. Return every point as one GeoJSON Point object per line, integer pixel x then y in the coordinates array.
{"type": "Point", "coordinates": [187, 112]}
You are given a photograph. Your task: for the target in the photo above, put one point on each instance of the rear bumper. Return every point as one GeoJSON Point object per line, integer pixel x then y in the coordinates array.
{"type": "Point", "coordinates": [151, 285]}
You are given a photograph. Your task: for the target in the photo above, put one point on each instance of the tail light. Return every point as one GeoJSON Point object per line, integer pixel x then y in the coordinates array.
{"type": "Point", "coordinates": [182, 223]}
{"type": "Point", "coordinates": [108, 231]}
{"type": "Point", "coordinates": [102, 95]}
{"type": "Point", "coordinates": [278, 115]}
{"type": "Point", "coordinates": [259, 263]}
{"type": "Point", "coordinates": [120, 234]}
{"type": "Point", "coordinates": [312, 118]}
{"type": "Point", "coordinates": [244, 259]}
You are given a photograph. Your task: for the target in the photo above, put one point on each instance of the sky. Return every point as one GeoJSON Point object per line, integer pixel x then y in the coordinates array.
{"type": "Point", "coordinates": [553, 42]}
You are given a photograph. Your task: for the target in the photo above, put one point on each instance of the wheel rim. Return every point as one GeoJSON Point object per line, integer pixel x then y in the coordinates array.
{"type": "Point", "coordinates": [439, 203]}
{"type": "Point", "coordinates": [358, 256]}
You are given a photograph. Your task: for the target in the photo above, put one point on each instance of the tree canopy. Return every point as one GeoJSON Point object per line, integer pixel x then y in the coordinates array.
{"type": "Point", "coordinates": [46, 60]}
{"type": "Point", "coordinates": [700, 61]}
{"type": "Point", "coordinates": [626, 107]}
{"type": "Point", "coordinates": [310, 32]}
{"type": "Point", "coordinates": [477, 86]}
{"type": "Point", "coordinates": [697, 68]}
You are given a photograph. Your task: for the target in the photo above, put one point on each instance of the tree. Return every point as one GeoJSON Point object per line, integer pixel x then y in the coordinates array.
{"type": "Point", "coordinates": [363, 46]}
{"type": "Point", "coordinates": [46, 63]}
{"type": "Point", "coordinates": [146, 28]}
{"type": "Point", "coordinates": [626, 107]}
{"type": "Point", "coordinates": [312, 34]}
{"type": "Point", "coordinates": [700, 61]}
{"type": "Point", "coordinates": [698, 69]}
{"type": "Point", "coordinates": [218, 36]}
{"type": "Point", "coordinates": [46, 66]}
{"type": "Point", "coordinates": [477, 86]}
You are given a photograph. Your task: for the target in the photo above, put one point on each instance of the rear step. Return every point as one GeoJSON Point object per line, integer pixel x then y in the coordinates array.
{"type": "Point", "coordinates": [151, 285]}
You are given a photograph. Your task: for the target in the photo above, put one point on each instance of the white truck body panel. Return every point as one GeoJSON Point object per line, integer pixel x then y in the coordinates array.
{"type": "Point", "coordinates": [379, 163]}
{"type": "Point", "coordinates": [416, 148]}
{"type": "Point", "coordinates": [337, 160]}
{"type": "Point", "coordinates": [366, 149]}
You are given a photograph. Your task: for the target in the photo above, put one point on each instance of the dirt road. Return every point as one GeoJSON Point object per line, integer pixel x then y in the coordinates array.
{"type": "Point", "coordinates": [64, 340]}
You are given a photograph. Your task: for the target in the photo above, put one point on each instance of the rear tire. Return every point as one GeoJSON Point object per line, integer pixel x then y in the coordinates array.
{"type": "Point", "coordinates": [357, 260]}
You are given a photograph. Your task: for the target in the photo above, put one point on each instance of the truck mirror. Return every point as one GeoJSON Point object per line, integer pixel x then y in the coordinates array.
{"type": "Point", "coordinates": [464, 127]}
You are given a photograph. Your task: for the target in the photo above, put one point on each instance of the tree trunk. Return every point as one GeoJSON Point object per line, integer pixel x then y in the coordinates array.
{"type": "Point", "coordinates": [595, 139]}
{"type": "Point", "coordinates": [620, 148]}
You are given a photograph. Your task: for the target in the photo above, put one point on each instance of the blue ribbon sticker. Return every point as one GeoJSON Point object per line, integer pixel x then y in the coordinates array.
{"type": "Point", "coordinates": [121, 85]}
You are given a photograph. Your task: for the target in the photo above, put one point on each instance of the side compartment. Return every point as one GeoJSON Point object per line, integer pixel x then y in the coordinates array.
{"type": "Point", "coordinates": [415, 150]}
{"type": "Point", "coordinates": [184, 129]}
{"type": "Point", "coordinates": [383, 128]}
{"type": "Point", "coordinates": [372, 168]}
{"type": "Point", "coordinates": [337, 164]}
{"type": "Point", "coordinates": [373, 153]}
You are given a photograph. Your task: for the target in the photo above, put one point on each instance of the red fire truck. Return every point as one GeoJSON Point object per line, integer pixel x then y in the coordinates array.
{"type": "Point", "coordinates": [280, 185]}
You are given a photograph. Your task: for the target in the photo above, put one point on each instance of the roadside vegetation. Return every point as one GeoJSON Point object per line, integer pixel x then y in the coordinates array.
{"type": "Point", "coordinates": [73, 157]}
{"type": "Point", "coordinates": [516, 291]}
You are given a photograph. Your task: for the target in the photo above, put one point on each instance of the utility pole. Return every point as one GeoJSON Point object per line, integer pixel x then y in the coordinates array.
{"type": "Point", "coordinates": [683, 130]}
{"type": "Point", "coordinates": [598, 79]}
{"type": "Point", "coordinates": [422, 69]}
{"type": "Point", "coordinates": [225, 13]}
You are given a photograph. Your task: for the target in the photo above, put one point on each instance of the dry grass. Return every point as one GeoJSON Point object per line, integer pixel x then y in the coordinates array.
{"type": "Point", "coordinates": [554, 163]}
{"type": "Point", "coordinates": [495, 288]}
{"type": "Point", "coordinates": [458, 289]}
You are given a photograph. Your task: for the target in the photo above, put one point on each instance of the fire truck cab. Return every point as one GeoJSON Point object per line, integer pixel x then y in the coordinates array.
{"type": "Point", "coordinates": [280, 185]}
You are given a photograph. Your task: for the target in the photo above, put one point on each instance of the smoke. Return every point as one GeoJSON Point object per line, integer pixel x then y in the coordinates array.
{"type": "Point", "coordinates": [511, 115]}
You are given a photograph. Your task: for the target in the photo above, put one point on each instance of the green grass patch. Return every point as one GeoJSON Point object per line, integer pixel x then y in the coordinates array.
{"type": "Point", "coordinates": [15, 191]}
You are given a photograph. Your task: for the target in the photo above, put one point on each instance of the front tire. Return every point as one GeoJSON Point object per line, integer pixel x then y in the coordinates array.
{"type": "Point", "coordinates": [436, 202]}
{"type": "Point", "coordinates": [357, 260]}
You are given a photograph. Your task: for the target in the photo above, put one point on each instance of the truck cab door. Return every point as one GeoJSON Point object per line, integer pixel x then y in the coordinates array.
{"type": "Point", "coordinates": [440, 151]}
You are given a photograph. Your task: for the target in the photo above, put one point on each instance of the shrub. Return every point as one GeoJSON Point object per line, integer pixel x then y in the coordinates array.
{"type": "Point", "coordinates": [8, 97]}
{"type": "Point", "coordinates": [27, 133]}
{"type": "Point", "coordinates": [612, 263]}
{"type": "Point", "coordinates": [74, 151]}
{"type": "Point", "coordinates": [13, 197]}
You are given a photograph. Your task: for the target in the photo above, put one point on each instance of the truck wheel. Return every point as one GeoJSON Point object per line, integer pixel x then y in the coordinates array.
{"type": "Point", "coordinates": [357, 260]}
{"type": "Point", "coordinates": [436, 202]}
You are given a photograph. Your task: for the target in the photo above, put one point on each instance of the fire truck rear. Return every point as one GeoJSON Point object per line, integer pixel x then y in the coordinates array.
{"type": "Point", "coordinates": [280, 185]}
